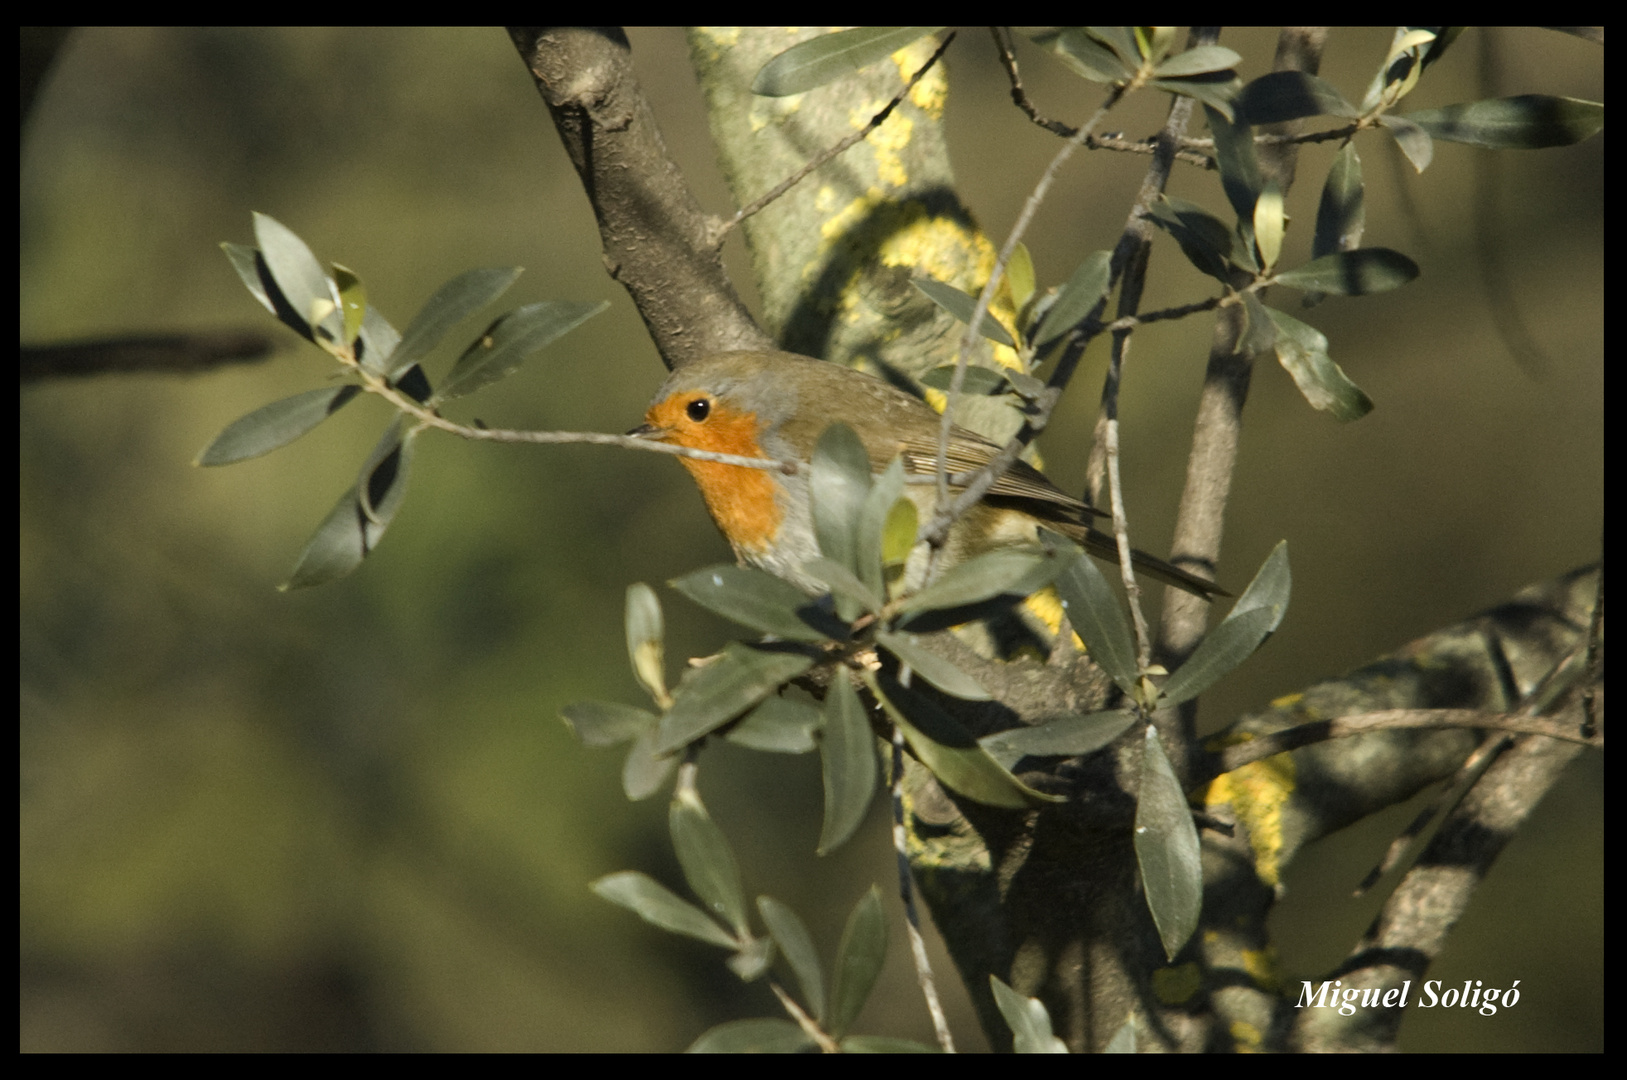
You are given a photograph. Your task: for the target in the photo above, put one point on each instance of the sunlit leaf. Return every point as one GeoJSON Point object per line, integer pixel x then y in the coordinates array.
{"type": "Point", "coordinates": [298, 275]}
{"type": "Point", "coordinates": [984, 576]}
{"type": "Point", "coordinates": [1083, 54]}
{"type": "Point", "coordinates": [646, 648]}
{"type": "Point", "coordinates": [976, 380]}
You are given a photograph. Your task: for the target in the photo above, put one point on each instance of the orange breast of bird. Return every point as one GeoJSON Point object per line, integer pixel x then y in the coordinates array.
{"type": "Point", "coordinates": [741, 500]}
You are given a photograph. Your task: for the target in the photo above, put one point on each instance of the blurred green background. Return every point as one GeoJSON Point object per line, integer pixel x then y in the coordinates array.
{"type": "Point", "coordinates": [350, 818]}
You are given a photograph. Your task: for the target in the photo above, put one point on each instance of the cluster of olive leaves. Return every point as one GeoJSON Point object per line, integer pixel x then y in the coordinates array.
{"type": "Point", "coordinates": [866, 631]}
{"type": "Point", "coordinates": [1243, 256]}
{"type": "Point", "coordinates": [332, 312]}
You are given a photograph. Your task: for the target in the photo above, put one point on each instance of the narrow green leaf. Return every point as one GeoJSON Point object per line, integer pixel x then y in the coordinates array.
{"type": "Point", "coordinates": [660, 906]}
{"type": "Point", "coordinates": [979, 578]}
{"type": "Point", "coordinates": [1122, 40]}
{"type": "Point", "coordinates": [510, 342]}
{"type": "Point", "coordinates": [646, 633]}
{"type": "Point", "coordinates": [1068, 736]}
{"type": "Point", "coordinates": [1078, 298]}
{"type": "Point", "coordinates": [848, 756]}
{"type": "Point", "coordinates": [1198, 61]}
{"type": "Point", "coordinates": [1254, 617]}
{"type": "Point", "coordinates": [384, 478]}
{"type": "Point", "coordinates": [1239, 166]}
{"type": "Point", "coordinates": [931, 667]}
{"type": "Point", "coordinates": [1094, 613]}
{"type": "Point", "coordinates": [1361, 272]}
{"type": "Point", "coordinates": [977, 380]}
{"type": "Point", "coordinates": [1083, 55]}
{"type": "Point", "coordinates": [1215, 90]}
{"type": "Point", "coordinates": [870, 527]}
{"type": "Point", "coordinates": [711, 696]}
{"type": "Point", "coordinates": [1270, 222]}
{"type": "Point", "coordinates": [1260, 336]}
{"type": "Point", "coordinates": [1281, 96]}
{"type": "Point", "coordinates": [858, 961]}
{"type": "Point", "coordinates": [1341, 216]}
{"type": "Point", "coordinates": [825, 59]}
{"type": "Point", "coordinates": [453, 302]}
{"type": "Point", "coordinates": [1413, 140]}
{"type": "Point", "coordinates": [1020, 277]}
{"type": "Point", "coordinates": [1220, 653]}
{"type": "Point", "coordinates": [357, 521]}
{"type": "Point", "coordinates": [1205, 240]}
{"type": "Point", "coordinates": [247, 262]}
{"type": "Point", "coordinates": [779, 725]}
{"type": "Point", "coordinates": [352, 300]}
{"type": "Point", "coordinates": [951, 754]}
{"type": "Point", "coordinates": [838, 482]}
{"type": "Point", "coordinates": [767, 1035]}
{"type": "Point", "coordinates": [961, 305]}
{"type": "Point", "coordinates": [1030, 1023]}
{"type": "Point", "coordinates": [1303, 351]}
{"type": "Point", "coordinates": [298, 275]}
{"type": "Point", "coordinates": [796, 945]}
{"type": "Point", "coordinates": [606, 723]}
{"type": "Point", "coordinates": [645, 771]}
{"type": "Point", "coordinates": [898, 538]}
{"type": "Point", "coordinates": [1166, 843]}
{"type": "Point", "coordinates": [755, 598]}
{"type": "Point", "coordinates": [707, 860]}
{"type": "Point", "coordinates": [276, 425]}
{"type": "Point", "coordinates": [377, 342]}
{"type": "Point", "coordinates": [1526, 122]}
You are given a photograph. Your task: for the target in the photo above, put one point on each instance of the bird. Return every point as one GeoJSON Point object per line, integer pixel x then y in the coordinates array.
{"type": "Point", "coordinates": [770, 404]}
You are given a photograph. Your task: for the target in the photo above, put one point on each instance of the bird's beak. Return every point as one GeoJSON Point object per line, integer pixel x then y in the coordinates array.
{"type": "Point", "coordinates": [649, 431]}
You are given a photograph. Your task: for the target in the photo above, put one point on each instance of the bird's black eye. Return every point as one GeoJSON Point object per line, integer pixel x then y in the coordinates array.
{"type": "Point", "coordinates": [699, 409]}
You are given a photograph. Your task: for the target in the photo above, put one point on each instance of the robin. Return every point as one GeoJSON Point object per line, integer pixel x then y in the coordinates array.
{"type": "Point", "coordinates": [776, 405]}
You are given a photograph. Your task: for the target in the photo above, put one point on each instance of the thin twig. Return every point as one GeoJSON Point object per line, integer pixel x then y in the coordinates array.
{"type": "Point", "coordinates": [1019, 96]}
{"type": "Point", "coordinates": [429, 418]}
{"type": "Point", "coordinates": [906, 891]}
{"type": "Point", "coordinates": [937, 529]}
{"type": "Point", "coordinates": [808, 1024]}
{"type": "Point", "coordinates": [757, 204]}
